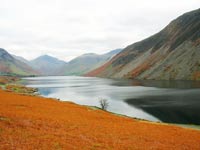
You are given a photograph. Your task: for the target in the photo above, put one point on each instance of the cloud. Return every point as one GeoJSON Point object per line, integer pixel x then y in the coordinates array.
{"type": "Point", "coordinates": [66, 29]}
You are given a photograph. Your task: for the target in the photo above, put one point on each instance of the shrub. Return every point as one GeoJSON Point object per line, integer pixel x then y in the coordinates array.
{"type": "Point", "coordinates": [103, 103]}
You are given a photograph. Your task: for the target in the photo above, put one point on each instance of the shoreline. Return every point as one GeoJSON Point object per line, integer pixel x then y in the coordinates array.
{"type": "Point", "coordinates": [15, 86]}
{"type": "Point", "coordinates": [34, 122]}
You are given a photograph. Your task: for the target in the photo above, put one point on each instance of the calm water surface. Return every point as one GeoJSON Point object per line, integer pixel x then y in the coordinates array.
{"type": "Point", "coordinates": [166, 101]}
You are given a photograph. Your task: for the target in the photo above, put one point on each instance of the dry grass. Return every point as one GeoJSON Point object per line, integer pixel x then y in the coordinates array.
{"type": "Point", "coordinates": [7, 79]}
{"type": "Point", "coordinates": [28, 122]}
{"type": "Point", "coordinates": [20, 89]}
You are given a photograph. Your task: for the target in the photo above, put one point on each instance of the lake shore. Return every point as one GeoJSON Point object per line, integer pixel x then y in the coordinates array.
{"type": "Point", "coordinates": [34, 122]}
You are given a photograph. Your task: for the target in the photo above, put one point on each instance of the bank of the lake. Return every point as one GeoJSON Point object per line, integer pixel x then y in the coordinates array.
{"type": "Point", "coordinates": [166, 101]}
{"type": "Point", "coordinates": [32, 122]}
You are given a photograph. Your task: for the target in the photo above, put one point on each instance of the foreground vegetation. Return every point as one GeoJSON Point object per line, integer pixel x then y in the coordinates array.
{"type": "Point", "coordinates": [7, 80]}
{"type": "Point", "coordinates": [32, 122]}
{"type": "Point", "coordinates": [10, 84]}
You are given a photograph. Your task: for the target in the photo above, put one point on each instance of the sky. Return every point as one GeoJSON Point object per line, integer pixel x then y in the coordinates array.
{"type": "Point", "coordinates": [68, 28]}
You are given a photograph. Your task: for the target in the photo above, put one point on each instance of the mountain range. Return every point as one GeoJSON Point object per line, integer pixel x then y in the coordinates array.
{"type": "Point", "coordinates": [86, 63]}
{"type": "Point", "coordinates": [171, 54]}
{"type": "Point", "coordinates": [47, 65]}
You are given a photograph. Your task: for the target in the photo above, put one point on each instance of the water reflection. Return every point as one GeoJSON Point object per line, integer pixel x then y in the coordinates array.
{"type": "Point", "coordinates": [176, 102]}
{"type": "Point", "coordinates": [159, 84]}
{"type": "Point", "coordinates": [175, 107]}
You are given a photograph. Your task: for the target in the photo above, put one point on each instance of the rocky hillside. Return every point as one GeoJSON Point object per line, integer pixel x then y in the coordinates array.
{"type": "Point", "coordinates": [171, 54]}
{"type": "Point", "coordinates": [11, 66]}
{"type": "Point", "coordinates": [47, 65]}
{"type": "Point", "coordinates": [87, 62]}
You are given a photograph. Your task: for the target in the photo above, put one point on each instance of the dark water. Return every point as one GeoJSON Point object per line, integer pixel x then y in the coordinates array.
{"type": "Point", "coordinates": [166, 101]}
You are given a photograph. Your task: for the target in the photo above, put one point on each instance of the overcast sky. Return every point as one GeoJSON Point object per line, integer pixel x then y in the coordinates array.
{"type": "Point", "coordinates": [68, 28]}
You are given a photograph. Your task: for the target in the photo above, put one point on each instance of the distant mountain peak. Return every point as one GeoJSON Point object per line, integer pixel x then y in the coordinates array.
{"type": "Point", "coordinates": [45, 57]}
{"type": "Point", "coordinates": [3, 51]}
{"type": "Point", "coordinates": [5, 55]}
{"type": "Point", "coordinates": [12, 66]}
{"type": "Point", "coordinates": [86, 62]}
{"type": "Point", "coordinates": [47, 65]}
{"type": "Point", "coordinates": [86, 54]}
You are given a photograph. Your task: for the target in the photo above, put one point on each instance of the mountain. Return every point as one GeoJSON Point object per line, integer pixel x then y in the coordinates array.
{"type": "Point", "coordinates": [47, 65]}
{"type": "Point", "coordinates": [22, 59]}
{"type": "Point", "coordinates": [11, 66]}
{"type": "Point", "coordinates": [87, 62]}
{"type": "Point", "coordinates": [171, 54]}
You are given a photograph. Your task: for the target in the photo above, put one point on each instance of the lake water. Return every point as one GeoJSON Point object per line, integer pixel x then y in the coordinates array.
{"type": "Point", "coordinates": [166, 101]}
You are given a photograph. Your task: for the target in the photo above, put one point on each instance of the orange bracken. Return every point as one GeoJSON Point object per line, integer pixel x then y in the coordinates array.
{"type": "Point", "coordinates": [30, 122]}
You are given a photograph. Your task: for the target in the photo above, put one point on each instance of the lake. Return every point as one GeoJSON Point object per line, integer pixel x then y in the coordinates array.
{"type": "Point", "coordinates": [165, 101]}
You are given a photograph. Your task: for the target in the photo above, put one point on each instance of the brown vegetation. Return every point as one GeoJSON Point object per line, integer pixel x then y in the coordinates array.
{"type": "Point", "coordinates": [148, 63]}
{"type": "Point", "coordinates": [99, 70]}
{"type": "Point", "coordinates": [28, 122]}
{"type": "Point", "coordinates": [7, 79]}
{"type": "Point", "coordinates": [196, 75]}
{"type": "Point", "coordinates": [20, 89]}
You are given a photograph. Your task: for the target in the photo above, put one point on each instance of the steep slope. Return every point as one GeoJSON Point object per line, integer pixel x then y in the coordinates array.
{"type": "Point", "coordinates": [11, 66]}
{"type": "Point", "coordinates": [171, 54]}
{"type": "Point", "coordinates": [21, 59]}
{"type": "Point", "coordinates": [86, 63]}
{"type": "Point", "coordinates": [47, 65]}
